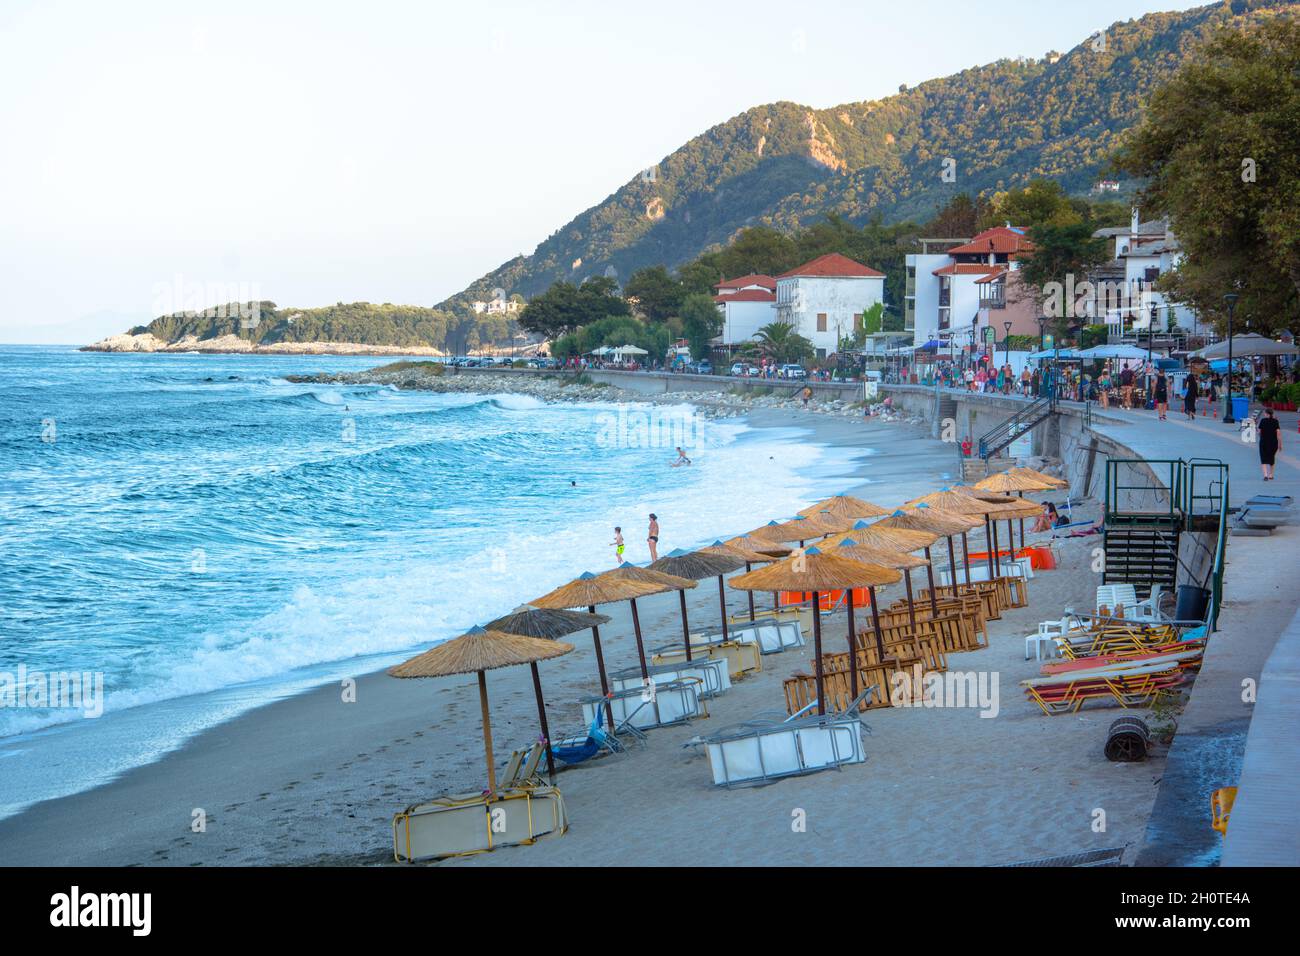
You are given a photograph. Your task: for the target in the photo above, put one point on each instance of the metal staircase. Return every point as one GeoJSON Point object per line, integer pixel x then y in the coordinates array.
{"type": "Point", "coordinates": [1027, 419]}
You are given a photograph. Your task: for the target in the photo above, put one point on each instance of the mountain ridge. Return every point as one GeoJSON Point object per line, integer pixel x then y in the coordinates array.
{"type": "Point", "coordinates": [786, 165]}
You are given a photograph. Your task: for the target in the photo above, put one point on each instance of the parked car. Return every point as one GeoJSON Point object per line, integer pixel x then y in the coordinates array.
{"type": "Point", "coordinates": [704, 367]}
{"type": "Point", "coordinates": [740, 369]}
{"type": "Point", "coordinates": [793, 371]}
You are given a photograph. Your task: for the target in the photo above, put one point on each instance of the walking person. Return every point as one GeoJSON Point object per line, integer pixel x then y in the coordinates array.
{"type": "Point", "coordinates": [618, 546]}
{"type": "Point", "coordinates": [1270, 442]}
{"type": "Point", "coordinates": [1191, 392]}
{"type": "Point", "coordinates": [1162, 395]}
{"type": "Point", "coordinates": [1126, 386]}
{"type": "Point", "coordinates": [653, 538]}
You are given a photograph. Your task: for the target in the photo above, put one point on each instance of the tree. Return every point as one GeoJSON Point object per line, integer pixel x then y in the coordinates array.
{"type": "Point", "coordinates": [565, 307]}
{"type": "Point", "coordinates": [1041, 203]}
{"type": "Point", "coordinates": [701, 322]}
{"type": "Point", "coordinates": [1217, 148]}
{"type": "Point", "coordinates": [959, 219]}
{"type": "Point", "coordinates": [658, 295]}
{"type": "Point", "coordinates": [1052, 276]}
{"type": "Point", "coordinates": [778, 342]}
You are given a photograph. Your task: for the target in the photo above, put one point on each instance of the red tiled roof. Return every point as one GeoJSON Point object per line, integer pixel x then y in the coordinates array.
{"type": "Point", "coordinates": [1001, 240]}
{"type": "Point", "coordinates": [767, 282]}
{"type": "Point", "coordinates": [747, 295]}
{"type": "Point", "coordinates": [833, 266]}
{"type": "Point", "coordinates": [993, 276]}
{"type": "Point", "coordinates": [967, 269]}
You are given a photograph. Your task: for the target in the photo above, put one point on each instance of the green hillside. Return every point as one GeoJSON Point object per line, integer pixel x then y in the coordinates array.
{"type": "Point", "coordinates": [786, 165]}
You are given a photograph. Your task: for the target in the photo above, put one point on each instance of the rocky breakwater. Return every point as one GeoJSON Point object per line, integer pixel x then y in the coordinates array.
{"type": "Point", "coordinates": [567, 387]}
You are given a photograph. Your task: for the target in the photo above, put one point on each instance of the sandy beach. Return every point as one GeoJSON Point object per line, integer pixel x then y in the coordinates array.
{"type": "Point", "coordinates": [315, 780]}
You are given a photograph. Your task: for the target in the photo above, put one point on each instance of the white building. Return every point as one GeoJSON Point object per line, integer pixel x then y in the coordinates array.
{"type": "Point", "coordinates": [1125, 297]}
{"type": "Point", "coordinates": [825, 299]}
{"type": "Point", "coordinates": [949, 294]}
{"type": "Point", "coordinates": [747, 304]}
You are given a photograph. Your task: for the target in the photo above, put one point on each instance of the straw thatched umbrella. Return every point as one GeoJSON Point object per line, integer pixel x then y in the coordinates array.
{"type": "Point", "coordinates": [1013, 508]}
{"type": "Point", "coordinates": [800, 529]}
{"type": "Point", "coordinates": [945, 523]}
{"type": "Point", "coordinates": [850, 548]}
{"type": "Point", "coordinates": [550, 624]}
{"type": "Point", "coordinates": [886, 539]}
{"type": "Point", "coordinates": [1057, 483]}
{"type": "Point", "coordinates": [736, 546]}
{"type": "Point", "coordinates": [475, 652]}
{"type": "Point", "coordinates": [814, 570]}
{"type": "Point", "coordinates": [662, 584]}
{"type": "Point", "coordinates": [589, 590]}
{"type": "Point", "coordinates": [698, 565]}
{"type": "Point", "coordinates": [845, 506]}
{"type": "Point", "coordinates": [1013, 481]}
{"type": "Point", "coordinates": [965, 503]}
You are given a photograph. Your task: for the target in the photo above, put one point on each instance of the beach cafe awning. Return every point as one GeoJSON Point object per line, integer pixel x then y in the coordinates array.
{"type": "Point", "coordinates": [1069, 355]}
{"type": "Point", "coordinates": [1246, 346]}
{"type": "Point", "coordinates": [1129, 352]}
{"type": "Point", "coordinates": [629, 350]}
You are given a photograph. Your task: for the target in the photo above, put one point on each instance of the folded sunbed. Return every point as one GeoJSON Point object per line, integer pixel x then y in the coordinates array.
{"type": "Point", "coordinates": [477, 823]}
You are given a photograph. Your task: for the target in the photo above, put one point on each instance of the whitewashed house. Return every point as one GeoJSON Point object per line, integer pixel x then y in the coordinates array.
{"type": "Point", "coordinates": [825, 299]}
{"type": "Point", "coordinates": [1125, 297]}
{"type": "Point", "coordinates": [746, 304]}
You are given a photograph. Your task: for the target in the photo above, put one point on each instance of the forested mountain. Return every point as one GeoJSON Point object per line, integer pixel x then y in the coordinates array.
{"type": "Point", "coordinates": [786, 165]}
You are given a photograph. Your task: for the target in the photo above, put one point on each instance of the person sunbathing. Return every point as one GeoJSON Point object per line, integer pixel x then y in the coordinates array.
{"type": "Point", "coordinates": [1047, 520]}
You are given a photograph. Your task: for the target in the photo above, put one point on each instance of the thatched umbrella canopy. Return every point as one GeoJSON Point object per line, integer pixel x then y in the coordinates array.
{"type": "Point", "coordinates": [799, 529]}
{"type": "Point", "coordinates": [549, 624]}
{"type": "Point", "coordinates": [886, 539]}
{"type": "Point", "coordinates": [475, 652]}
{"type": "Point", "coordinates": [962, 500]}
{"type": "Point", "coordinates": [945, 523]}
{"type": "Point", "coordinates": [589, 590]}
{"type": "Point", "coordinates": [1008, 482]}
{"type": "Point", "coordinates": [748, 542]}
{"type": "Point", "coordinates": [750, 558]}
{"type": "Point", "coordinates": [662, 584]}
{"type": "Point", "coordinates": [699, 565]}
{"type": "Point", "coordinates": [816, 571]}
{"type": "Point", "coordinates": [1013, 481]}
{"type": "Point", "coordinates": [845, 506]}
{"type": "Point", "coordinates": [1052, 480]}
{"type": "Point", "coordinates": [881, 557]}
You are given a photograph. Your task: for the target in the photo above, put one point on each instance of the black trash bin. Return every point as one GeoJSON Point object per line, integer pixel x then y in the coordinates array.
{"type": "Point", "coordinates": [1193, 602]}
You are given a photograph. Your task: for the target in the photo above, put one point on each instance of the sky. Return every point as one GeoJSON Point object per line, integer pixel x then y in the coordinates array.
{"type": "Point", "coordinates": [165, 155]}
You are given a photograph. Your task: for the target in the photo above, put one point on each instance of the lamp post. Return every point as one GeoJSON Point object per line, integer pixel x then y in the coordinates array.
{"type": "Point", "coordinates": [1151, 331]}
{"type": "Point", "coordinates": [1231, 299]}
{"type": "Point", "coordinates": [1006, 343]}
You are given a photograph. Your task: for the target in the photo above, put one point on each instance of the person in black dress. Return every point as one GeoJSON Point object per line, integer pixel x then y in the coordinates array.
{"type": "Point", "coordinates": [1190, 394]}
{"type": "Point", "coordinates": [1270, 442]}
{"type": "Point", "coordinates": [1162, 395]}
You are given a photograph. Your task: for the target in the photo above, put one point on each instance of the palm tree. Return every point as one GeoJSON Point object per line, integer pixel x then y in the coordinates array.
{"type": "Point", "coordinates": [778, 342]}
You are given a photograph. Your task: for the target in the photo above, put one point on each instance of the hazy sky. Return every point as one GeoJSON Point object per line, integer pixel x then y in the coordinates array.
{"type": "Point", "coordinates": [316, 152]}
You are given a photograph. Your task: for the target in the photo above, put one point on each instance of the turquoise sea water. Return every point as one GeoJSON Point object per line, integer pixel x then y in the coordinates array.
{"type": "Point", "coordinates": [209, 536]}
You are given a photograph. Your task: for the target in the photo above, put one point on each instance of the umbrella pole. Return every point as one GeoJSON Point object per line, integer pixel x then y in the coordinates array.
{"type": "Point", "coordinates": [541, 714]}
{"type": "Point", "coordinates": [990, 539]}
{"type": "Point", "coordinates": [952, 563]}
{"type": "Point", "coordinates": [487, 732]}
{"type": "Point", "coordinates": [875, 623]}
{"type": "Point", "coordinates": [817, 653]}
{"type": "Point", "coordinates": [750, 595]}
{"type": "Point", "coordinates": [600, 666]}
{"type": "Point", "coordinates": [995, 568]}
{"type": "Point", "coordinates": [929, 573]}
{"type": "Point", "coordinates": [640, 648]}
{"type": "Point", "coordinates": [853, 651]}
{"type": "Point", "coordinates": [965, 554]}
{"type": "Point", "coordinates": [686, 628]}
{"type": "Point", "coordinates": [722, 605]}
{"type": "Point", "coordinates": [911, 605]}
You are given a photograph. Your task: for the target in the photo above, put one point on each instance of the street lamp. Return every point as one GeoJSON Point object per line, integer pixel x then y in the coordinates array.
{"type": "Point", "coordinates": [1006, 344]}
{"type": "Point", "coordinates": [1231, 299]}
{"type": "Point", "coordinates": [1042, 329]}
{"type": "Point", "coordinates": [1151, 331]}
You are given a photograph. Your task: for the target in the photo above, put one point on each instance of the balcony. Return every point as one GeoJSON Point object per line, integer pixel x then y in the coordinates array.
{"type": "Point", "coordinates": [945, 298]}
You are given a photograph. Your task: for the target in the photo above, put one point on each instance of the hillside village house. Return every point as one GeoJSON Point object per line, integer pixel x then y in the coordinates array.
{"type": "Point", "coordinates": [1124, 297]}
{"type": "Point", "coordinates": [747, 304]}
{"type": "Point", "coordinates": [825, 299]}
{"type": "Point", "coordinates": [970, 286]}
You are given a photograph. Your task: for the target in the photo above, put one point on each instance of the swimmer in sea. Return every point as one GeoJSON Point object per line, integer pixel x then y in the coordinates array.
{"type": "Point", "coordinates": [681, 458]}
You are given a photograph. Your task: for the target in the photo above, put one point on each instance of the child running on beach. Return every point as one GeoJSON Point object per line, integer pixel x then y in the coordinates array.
{"type": "Point", "coordinates": [618, 545]}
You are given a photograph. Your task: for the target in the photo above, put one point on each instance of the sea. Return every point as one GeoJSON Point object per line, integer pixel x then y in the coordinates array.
{"type": "Point", "coordinates": [199, 536]}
